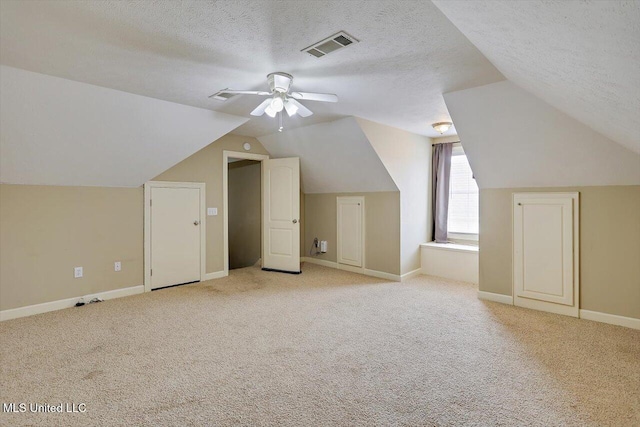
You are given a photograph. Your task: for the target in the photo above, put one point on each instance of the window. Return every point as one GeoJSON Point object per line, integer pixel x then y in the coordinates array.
{"type": "Point", "coordinates": [463, 215]}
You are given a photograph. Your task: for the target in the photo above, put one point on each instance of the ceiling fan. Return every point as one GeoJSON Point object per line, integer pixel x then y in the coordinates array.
{"type": "Point", "coordinates": [280, 97]}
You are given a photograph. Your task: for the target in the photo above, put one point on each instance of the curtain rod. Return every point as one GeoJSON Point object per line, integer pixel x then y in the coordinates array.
{"type": "Point", "coordinates": [435, 141]}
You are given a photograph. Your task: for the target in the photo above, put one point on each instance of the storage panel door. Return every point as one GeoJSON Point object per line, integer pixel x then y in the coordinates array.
{"type": "Point", "coordinates": [543, 252]}
{"type": "Point", "coordinates": [350, 222]}
{"type": "Point", "coordinates": [175, 236]}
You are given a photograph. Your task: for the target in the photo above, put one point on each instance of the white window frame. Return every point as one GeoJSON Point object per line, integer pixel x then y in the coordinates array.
{"type": "Point", "coordinates": [462, 238]}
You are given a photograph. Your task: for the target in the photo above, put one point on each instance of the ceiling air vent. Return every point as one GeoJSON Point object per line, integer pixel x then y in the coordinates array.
{"type": "Point", "coordinates": [330, 44]}
{"type": "Point", "coordinates": [221, 95]}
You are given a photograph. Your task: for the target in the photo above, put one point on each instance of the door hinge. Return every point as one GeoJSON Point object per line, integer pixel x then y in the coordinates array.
{"type": "Point", "coordinates": [150, 202]}
{"type": "Point", "coordinates": [151, 272]}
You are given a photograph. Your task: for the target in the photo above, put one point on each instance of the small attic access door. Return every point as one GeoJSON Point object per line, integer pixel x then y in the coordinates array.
{"type": "Point", "coordinates": [350, 226]}
{"type": "Point", "coordinates": [546, 252]}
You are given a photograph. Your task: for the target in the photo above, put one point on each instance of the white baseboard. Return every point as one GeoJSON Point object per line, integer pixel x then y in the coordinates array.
{"type": "Point", "coordinates": [331, 264]}
{"type": "Point", "coordinates": [351, 268]}
{"type": "Point", "coordinates": [215, 275]}
{"type": "Point", "coordinates": [30, 310]}
{"type": "Point", "coordinates": [596, 316]}
{"type": "Point", "coordinates": [612, 319]}
{"type": "Point", "coordinates": [359, 270]}
{"type": "Point", "coordinates": [490, 296]}
{"type": "Point", "coordinates": [382, 275]}
{"type": "Point", "coordinates": [409, 275]}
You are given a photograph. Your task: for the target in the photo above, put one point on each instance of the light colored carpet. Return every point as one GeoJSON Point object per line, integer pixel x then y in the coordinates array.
{"type": "Point", "coordinates": [325, 348]}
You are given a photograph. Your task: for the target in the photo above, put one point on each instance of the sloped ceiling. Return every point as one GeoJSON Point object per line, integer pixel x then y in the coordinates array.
{"type": "Point", "coordinates": [408, 55]}
{"type": "Point", "coordinates": [60, 132]}
{"type": "Point", "coordinates": [582, 57]}
{"type": "Point", "coordinates": [335, 157]}
{"type": "Point", "coordinates": [514, 139]}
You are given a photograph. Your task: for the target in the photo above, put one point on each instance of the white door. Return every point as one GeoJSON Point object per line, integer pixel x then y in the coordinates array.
{"type": "Point", "coordinates": [175, 236]}
{"type": "Point", "coordinates": [545, 252]}
{"type": "Point", "coordinates": [281, 216]}
{"type": "Point", "coordinates": [350, 231]}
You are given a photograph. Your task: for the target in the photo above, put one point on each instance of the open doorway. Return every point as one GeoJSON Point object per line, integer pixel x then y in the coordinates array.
{"type": "Point", "coordinates": [242, 204]}
{"type": "Point", "coordinates": [244, 189]}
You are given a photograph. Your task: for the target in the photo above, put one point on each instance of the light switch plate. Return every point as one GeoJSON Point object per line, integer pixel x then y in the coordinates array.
{"type": "Point", "coordinates": [212, 211]}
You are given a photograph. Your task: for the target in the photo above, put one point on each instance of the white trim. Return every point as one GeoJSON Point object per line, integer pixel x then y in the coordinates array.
{"type": "Point", "coordinates": [325, 263]}
{"type": "Point", "coordinates": [411, 274]}
{"type": "Point", "coordinates": [147, 225]}
{"type": "Point", "coordinates": [30, 310]}
{"type": "Point", "coordinates": [225, 198]}
{"type": "Point", "coordinates": [351, 268]}
{"type": "Point", "coordinates": [612, 319]}
{"type": "Point", "coordinates": [358, 270]}
{"type": "Point", "coordinates": [490, 296]}
{"type": "Point", "coordinates": [215, 275]}
{"type": "Point", "coordinates": [382, 275]}
{"type": "Point", "coordinates": [451, 247]}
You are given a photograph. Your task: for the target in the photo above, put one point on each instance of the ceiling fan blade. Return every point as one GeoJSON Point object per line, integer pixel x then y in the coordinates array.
{"type": "Point", "coordinates": [260, 108]}
{"type": "Point", "coordinates": [310, 96]}
{"type": "Point", "coordinates": [247, 92]}
{"type": "Point", "coordinates": [302, 110]}
{"type": "Point", "coordinates": [220, 95]}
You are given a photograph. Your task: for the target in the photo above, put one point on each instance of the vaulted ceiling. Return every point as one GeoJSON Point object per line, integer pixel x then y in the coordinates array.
{"type": "Point", "coordinates": [408, 55]}
{"type": "Point", "coordinates": [582, 57]}
{"type": "Point", "coordinates": [335, 157]}
{"type": "Point", "coordinates": [55, 131]}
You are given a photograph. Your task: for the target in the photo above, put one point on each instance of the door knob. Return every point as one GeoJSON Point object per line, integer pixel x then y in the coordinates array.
{"type": "Point", "coordinates": [196, 222]}
{"type": "Point", "coordinates": [295, 221]}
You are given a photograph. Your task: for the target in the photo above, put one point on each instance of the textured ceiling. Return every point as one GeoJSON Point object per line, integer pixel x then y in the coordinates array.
{"type": "Point", "coordinates": [408, 56]}
{"type": "Point", "coordinates": [582, 57]}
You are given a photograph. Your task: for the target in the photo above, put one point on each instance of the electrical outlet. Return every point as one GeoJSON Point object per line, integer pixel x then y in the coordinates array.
{"type": "Point", "coordinates": [117, 266]}
{"type": "Point", "coordinates": [77, 272]}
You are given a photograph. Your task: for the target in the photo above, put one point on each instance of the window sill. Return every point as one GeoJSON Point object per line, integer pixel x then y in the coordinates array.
{"type": "Point", "coordinates": [451, 247]}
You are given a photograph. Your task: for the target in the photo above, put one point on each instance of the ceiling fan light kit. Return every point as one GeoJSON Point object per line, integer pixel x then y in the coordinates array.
{"type": "Point", "coordinates": [281, 98]}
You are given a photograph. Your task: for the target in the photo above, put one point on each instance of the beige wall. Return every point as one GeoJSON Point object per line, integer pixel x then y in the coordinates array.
{"type": "Point", "coordinates": [609, 246]}
{"type": "Point", "coordinates": [46, 231]}
{"type": "Point", "coordinates": [206, 166]}
{"type": "Point", "coordinates": [244, 213]}
{"type": "Point", "coordinates": [382, 227]}
{"type": "Point", "coordinates": [407, 158]}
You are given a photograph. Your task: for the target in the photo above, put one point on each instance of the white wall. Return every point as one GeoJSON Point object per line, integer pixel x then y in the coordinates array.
{"type": "Point", "coordinates": [335, 157]}
{"type": "Point", "coordinates": [514, 139]}
{"type": "Point", "coordinates": [407, 157]}
{"type": "Point", "coordinates": [60, 132]}
{"type": "Point", "coordinates": [451, 261]}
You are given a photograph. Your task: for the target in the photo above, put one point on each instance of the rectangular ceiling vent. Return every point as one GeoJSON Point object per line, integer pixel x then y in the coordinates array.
{"type": "Point", "coordinates": [221, 95]}
{"type": "Point", "coordinates": [330, 44]}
